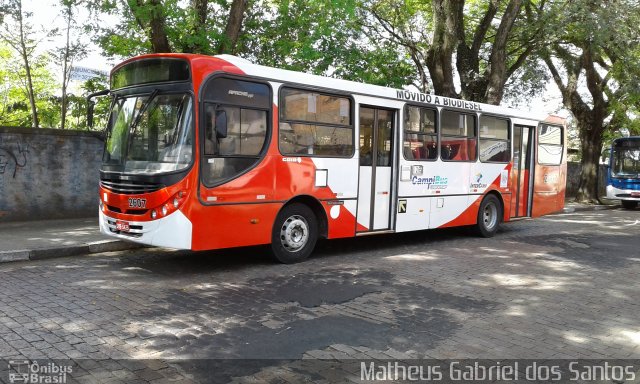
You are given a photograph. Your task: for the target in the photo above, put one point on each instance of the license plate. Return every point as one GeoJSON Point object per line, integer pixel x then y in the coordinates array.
{"type": "Point", "coordinates": [635, 194]}
{"type": "Point", "coordinates": [122, 226]}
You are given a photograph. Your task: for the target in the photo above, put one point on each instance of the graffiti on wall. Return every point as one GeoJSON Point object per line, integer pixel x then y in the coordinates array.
{"type": "Point", "coordinates": [13, 154]}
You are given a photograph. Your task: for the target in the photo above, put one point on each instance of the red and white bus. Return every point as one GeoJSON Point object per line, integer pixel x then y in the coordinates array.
{"type": "Point", "coordinates": [215, 152]}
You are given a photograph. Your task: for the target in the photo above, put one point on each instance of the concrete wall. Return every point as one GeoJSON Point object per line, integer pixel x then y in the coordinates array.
{"type": "Point", "coordinates": [48, 173]}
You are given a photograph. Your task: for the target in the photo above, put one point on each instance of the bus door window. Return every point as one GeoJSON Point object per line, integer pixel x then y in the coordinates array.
{"type": "Point", "coordinates": [366, 136]}
{"type": "Point", "coordinates": [383, 155]}
{"type": "Point", "coordinates": [550, 145]}
{"type": "Point", "coordinates": [522, 171]}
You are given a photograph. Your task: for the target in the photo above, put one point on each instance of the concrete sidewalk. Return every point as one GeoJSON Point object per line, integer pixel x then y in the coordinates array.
{"type": "Point", "coordinates": [577, 207]}
{"type": "Point", "coordinates": [33, 240]}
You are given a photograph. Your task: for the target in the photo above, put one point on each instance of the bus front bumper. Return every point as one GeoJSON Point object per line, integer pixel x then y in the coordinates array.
{"type": "Point", "coordinates": [622, 194]}
{"type": "Point", "coordinates": [174, 230]}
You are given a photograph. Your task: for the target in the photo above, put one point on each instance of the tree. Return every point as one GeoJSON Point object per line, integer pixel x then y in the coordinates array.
{"type": "Point", "coordinates": [318, 36]}
{"type": "Point", "coordinates": [15, 108]}
{"type": "Point", "coordinates": [72, 50]}
{"type": "Point", "coordinates": [18, 34]}
{"type": "Point", "coordinates": [155, 26]}
{"type": "Point", "coordinates": [323, 37]}
{"type": "Point", "coordinates": [490, 41]}
{"type": "Point", "coordinates": [594, 60]}
{"type": "Point", "coordinates": [229, 40]}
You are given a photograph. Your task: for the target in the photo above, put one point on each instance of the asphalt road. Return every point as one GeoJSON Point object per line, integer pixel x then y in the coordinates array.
{"type": "Point", "coordinates": [563, 286]}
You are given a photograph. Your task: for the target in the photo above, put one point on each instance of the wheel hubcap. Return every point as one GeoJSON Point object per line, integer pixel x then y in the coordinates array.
{"type": "Point", "coordinates": [490, 216]}
{"type": "Point", "coordinates": [294, 233]}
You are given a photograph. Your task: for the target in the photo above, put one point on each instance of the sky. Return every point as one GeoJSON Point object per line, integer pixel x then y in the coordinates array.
{"type": "Point", "coordinates": [46, 15]}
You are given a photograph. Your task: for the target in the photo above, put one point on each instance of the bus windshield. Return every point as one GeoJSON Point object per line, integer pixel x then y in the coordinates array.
{"type": "Point", "coordinates": [626, 161]}
{"type": "Point", "coordinates": [150, 133]}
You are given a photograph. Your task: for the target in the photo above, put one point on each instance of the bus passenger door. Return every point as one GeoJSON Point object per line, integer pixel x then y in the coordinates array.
{"type": "Point", "coordinates": [521, 174]}
{"type": "Point", "coordinates": [374, 189]}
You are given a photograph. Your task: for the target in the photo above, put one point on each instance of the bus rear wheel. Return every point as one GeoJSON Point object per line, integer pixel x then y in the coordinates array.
{"type": "Point", "coordinates": [489, 216]}
{"type": "Point", "coordinates": [295, 233]}
{"type": "Point", "coordinates": [629, 204]}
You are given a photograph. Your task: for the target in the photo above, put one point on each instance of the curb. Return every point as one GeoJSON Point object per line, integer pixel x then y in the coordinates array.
{"type": "Point", "coordinates": [600, 207]}
{"type": "Point", "coordinates": [71, 250]}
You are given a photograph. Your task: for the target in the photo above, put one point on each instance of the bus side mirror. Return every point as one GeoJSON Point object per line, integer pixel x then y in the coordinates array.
{"type": "Point", "coordinates": [221, 124]}
{"type": "Point", "coordinates": [91, 104]}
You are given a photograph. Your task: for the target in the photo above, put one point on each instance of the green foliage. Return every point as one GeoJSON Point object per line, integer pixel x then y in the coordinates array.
{"type": "Point", "coordinates": [317, 36]}
{"type": "Point", "coordinates": [593, 56]}
{"type": "Point", "coordinates": [14, 100]}
{"type": "Point", "coordinates": [101, 108]}
{"type": "Point", "coordinates": [324, 37]}
{"type": "Point", "coordinates": [130, 35]}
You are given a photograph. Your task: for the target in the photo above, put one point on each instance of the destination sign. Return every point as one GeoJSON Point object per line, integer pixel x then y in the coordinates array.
{"type": "Point", "coordinates": [437, 100]}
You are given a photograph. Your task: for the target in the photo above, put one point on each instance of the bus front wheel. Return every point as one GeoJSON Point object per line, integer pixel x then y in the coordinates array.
{"type": "Point", "coordinates": [295, 233]}
{"type": "Point", "coordinates": [489, 216]}
{"type": "Point", "coordinates": [629, 204]}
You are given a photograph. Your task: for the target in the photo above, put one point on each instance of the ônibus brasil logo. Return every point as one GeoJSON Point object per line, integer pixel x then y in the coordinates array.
{"type": "Point", "coordinates": [25, 371]}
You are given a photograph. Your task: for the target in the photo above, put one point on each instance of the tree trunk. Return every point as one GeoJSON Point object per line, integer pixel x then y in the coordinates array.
{"type": "Point", "coordinates": [498, 71]}
{"type": "Point", "coordinates": [156, 24]}
{"type": "Point", "coordinates": [234, 26]}
{"type": "Point", "coordinates": [447, 19]}
{"type": "Point", "coordinates": [65, 73]}
{"type": "Point", "coordinates": [591, 146]}
{"type": "Point", "coordinates": [199, 27]}
{"type": "Point", "coordinates": [24, 53]}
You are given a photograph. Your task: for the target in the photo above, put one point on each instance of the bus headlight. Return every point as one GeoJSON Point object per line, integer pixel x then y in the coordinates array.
{"type": "Point", "coordinates": [176, 203]}
{"type": "Point", "coordinates": [154, 214]}
{"type": "Point", "coordinates": [164, 210]}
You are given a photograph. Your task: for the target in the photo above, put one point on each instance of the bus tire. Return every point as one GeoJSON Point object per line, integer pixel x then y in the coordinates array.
{"type": "Point", "coordinates": [295, 233]}
{"type": "Point", "coordinates": [629, 204]}
{"type": "Point", "coordinates": [489, 216]}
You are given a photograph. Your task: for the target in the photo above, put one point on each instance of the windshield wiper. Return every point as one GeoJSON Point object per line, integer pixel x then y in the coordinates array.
{"type": "Point", "coordinates": [142, 110]}
{"type": "Point", "coordinates": [136, 121]}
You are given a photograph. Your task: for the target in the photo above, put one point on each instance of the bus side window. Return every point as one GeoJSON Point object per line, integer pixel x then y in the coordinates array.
{"type": "Point", "coordinates": [495, 140]}
{"type": "Point", "coordinates": [458, 136]}
{"type": "Point", "coordinates": [315, 124]}
{"type": "Point", "coordinates": [420, 133]}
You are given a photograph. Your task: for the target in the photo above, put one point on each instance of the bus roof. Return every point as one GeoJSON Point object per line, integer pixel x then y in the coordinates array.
{"type": "Point", "coordinates": [352, 87]}
{"type": "Point", "coordinates": [287, 76]}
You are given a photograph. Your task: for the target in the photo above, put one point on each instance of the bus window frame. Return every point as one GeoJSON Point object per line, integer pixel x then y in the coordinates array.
{"type": "Point", "coordinates": [476, 136]}
{"type": "Point", "coordinates": [437, 128]}
{"type": "Point", "coordinates": [167, 178]}
{"type": "Point", "coordinates": [322, 91]}
{"type": "Point", "coordinates": [203, 102]}
{"type": "Point", "coordinates": [562, 145]}
{"type": "Point", "coordinates": [509, 140]}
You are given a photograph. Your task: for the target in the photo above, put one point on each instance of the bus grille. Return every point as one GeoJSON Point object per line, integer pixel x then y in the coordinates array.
{"type": "Point", "coordinates": [128, 187]}
{"type": "Point", "coordinates": [134, 230]}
